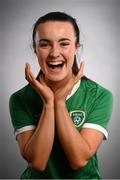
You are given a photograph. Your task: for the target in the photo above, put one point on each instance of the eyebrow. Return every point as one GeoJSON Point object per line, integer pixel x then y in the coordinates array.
{"type": "Point", "coordinates": [62, 39]}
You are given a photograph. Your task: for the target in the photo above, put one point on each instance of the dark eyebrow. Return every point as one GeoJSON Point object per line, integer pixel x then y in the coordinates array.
{"type": "Point", "coordinates": [46, 40]}
{"type": "Point", "coordinates": [62, 39]}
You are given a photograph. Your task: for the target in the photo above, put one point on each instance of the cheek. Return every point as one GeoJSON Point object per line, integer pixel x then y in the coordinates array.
{"type": "Point", "coordinates": [71, 57]}
{"type": "Point", "coordinates": [70, 54]}
{"type": "Point", "coordinates": [71, 51]}
{"type": "Point", "coordinates": [41, 58]}
{"type": "Point", "coordinates": [41, 55]}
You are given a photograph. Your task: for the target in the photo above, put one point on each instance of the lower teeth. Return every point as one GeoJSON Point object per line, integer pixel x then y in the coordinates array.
{"type": "Point", "coordinates": [56, 66]}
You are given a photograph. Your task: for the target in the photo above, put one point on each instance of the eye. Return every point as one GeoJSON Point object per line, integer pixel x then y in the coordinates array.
{"type": "Point", "coordinates": [64, 44]}
{"type": "Point", "coordinates": [44, 45]}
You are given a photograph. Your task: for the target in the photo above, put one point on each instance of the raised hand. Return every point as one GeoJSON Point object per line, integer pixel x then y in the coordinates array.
{"type": "Point", "coordinates": [61, 93]}
{"type": "Point", "coordinates": [40, 86]}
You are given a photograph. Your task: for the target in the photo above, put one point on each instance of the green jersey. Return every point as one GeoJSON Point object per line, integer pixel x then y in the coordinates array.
{"type": "Point", "coordinates": [89, 105]}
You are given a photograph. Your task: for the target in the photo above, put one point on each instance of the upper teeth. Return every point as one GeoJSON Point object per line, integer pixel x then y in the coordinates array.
{"type": "Point", "coordinates": [55, 63]}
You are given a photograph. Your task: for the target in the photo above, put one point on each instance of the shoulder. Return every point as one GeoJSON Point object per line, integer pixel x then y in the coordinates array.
{"type": "Point", "coordinates": [95, 89]}
{"type": "Point", "coordinates": [21, 92]}
{"type": "Point", "coordinates": [25, 98]}
{"type": "Point", "coordinates": [24, 94]}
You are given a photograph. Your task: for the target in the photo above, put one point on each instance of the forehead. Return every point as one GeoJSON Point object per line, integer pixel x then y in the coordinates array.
{"type": "Point", "coordinates": [55, 30]}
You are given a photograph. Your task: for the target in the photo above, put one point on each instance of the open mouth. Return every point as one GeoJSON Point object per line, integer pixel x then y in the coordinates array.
{"type": "Point", "coordinates": [56, 65]}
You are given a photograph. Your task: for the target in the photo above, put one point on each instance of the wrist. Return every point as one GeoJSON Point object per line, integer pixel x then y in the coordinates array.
{"type": "Point", "coordinates": [49, 104]}
{"type": "Point", "coordinates": [60, 103]}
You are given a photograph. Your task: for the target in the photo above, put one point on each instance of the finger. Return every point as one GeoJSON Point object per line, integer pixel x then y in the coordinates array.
{"type": "Point", "coordinates": [29, 75]}
{"type": "Point", "coordinates": [27, 70]}
{"type": "Point", "coordinates": [32, 80]}
{"type": "Point", "coordinates": [27, 67]}
{"type": "Point", "coordinates": [80, 72]}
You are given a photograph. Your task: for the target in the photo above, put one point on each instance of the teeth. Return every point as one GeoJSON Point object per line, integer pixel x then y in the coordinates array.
{"type": "Point", "coordinates": [55, 63]}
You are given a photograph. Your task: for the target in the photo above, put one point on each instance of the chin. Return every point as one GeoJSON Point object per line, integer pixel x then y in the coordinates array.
{"type": "Point", "coordinates": [56, 78]}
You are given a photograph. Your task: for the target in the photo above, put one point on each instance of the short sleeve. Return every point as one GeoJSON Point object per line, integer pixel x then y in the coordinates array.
{"type": "Point", "coordinates": [21, 118]}
{"type": "Point", "coordinates": [101, 110]}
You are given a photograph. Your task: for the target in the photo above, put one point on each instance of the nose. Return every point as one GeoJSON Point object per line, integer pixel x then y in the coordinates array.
{"type": "Point", "coordinates": [54, 51]}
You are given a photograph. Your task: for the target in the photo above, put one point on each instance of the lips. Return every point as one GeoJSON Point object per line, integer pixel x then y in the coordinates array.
{"type": "Point", "coordinates": [55, 64]}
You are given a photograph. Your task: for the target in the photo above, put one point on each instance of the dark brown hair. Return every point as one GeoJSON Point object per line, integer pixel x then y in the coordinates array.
{"type": "Point", "coordinates": [59, 16]}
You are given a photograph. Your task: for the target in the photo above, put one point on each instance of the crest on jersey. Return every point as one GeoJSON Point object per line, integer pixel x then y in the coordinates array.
{"type": "Point", "coordinates": [78, 117]}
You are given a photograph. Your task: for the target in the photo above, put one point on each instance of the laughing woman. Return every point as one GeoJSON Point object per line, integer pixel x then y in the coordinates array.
{"type": "Point", "coordinates": [61, 117]}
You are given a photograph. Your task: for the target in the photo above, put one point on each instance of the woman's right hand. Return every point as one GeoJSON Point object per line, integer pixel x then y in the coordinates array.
{"type": "Point", "coordinates": [40, 86]}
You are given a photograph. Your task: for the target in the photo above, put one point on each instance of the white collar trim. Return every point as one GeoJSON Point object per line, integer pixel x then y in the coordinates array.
{"type": "Point", "coordinates": [74, 89]}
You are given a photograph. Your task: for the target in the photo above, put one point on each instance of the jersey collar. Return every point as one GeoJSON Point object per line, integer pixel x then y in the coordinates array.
{"type": "Point", "coordinates": [74, 89]}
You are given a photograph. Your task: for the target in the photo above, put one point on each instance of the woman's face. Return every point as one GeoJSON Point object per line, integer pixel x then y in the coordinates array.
{"type": "Point", "coordinates": [55, 49]}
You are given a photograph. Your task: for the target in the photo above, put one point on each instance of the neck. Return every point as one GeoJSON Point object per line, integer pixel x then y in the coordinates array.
{"type": "Point", "coordinates": [54, 85]}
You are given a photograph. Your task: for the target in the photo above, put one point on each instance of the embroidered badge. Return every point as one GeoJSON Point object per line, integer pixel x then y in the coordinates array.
{"type": "Point", "coordinates": [78, 117]}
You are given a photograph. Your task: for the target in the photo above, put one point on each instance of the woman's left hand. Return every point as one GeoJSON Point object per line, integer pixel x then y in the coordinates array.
{"type": "Point", "coordinates": [61, 93]}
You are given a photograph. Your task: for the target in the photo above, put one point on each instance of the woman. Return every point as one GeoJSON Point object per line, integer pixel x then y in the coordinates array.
{"type": "Point", "coordinates": [61, 117]}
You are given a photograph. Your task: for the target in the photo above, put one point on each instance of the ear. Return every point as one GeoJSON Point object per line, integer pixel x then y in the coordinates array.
{"type": "Point", "coordinates": [77, 48]}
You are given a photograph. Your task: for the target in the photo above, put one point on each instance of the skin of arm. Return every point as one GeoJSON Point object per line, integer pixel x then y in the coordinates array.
{"type": "Point", "coordinates": [79, 147]}
{"type": "Point", "coordinates": [35, 146]}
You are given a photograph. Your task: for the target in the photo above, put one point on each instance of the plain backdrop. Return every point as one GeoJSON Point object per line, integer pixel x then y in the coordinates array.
{"type": "Point", "coordinates": [99, 22]}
